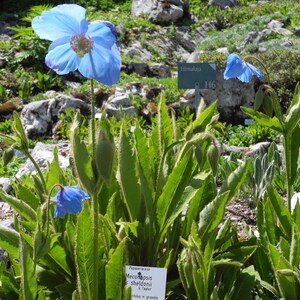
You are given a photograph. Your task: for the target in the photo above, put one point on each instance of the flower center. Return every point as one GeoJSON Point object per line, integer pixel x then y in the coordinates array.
{"type": "Point", "coordinates": [81, 45]}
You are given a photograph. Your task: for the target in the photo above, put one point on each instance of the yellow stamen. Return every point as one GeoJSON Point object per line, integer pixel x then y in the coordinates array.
{"type": "Point", "coordinates": [81, 45]}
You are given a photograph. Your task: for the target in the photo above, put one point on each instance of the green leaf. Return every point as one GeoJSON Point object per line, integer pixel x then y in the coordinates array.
{"type": "Point", "coordinates": [9, 289]}
{"type": "Point", "coordinates": [25, 194]}
{"type": "Point", "coordinates": [66, 290]}
{"type": "Point", "coordinates": [54, 173]}
{"type": "Point", "coordinates": [288, 280]}
{"type": "Point", "coordinates": [170, 203]}
{"type": "Point", "coordinates": [82, 160]}
{"type": "Point", "coordinates": [114, 277]}
{"type": "Point", "coordinates": [295, 247]}
{"type": "Point", "coordinates": [204, 118]}
{"type": "Point", "coordinates": [212, 214]}
{"type": "Point", "coordinates": [263, 119]}
{"type": "Point", "coordinates": [292, 118]}
{"type": "Point", "coordinates": [105, 158]}
{"type": "Point", "coordinates": [259, 96]}
{"type": "Point", "coordinates": [8, 155]}
{"type": "Point", "coordinates": [267, 105]}
{"type": "Point", "coordinates": [84, 254]}
{"type": "Point", "coordinates": [204, 189]}
{"type": "Point", "coordinates": [9, 241]}
{"type": "Point", "coordinates": [295, 99]}
{"type": "Point", "coordinates": [28, 287]}
{"type": "Point", "coordinates": [281, 211]}
{"type": "Point", "coordinates": [127, 178]}
{"type": "Point", "coordinates": [235, 180]}
{"type": "Point", "coordinates": [58, 255]}
{"type": "Point", "coordinates": [145, 168]}
{"type": "Point", "coordinates": [295, 145]}
{"type": "Point", "coordinates": [244, 284]}
{"type": "Point", "coordinates": [21, 139]}
{"type": "Point", "coordinates": [20, 206]}
{"type": "Point", "coordinates": [164, 124]}
{"type": "Point", "coordinates": [238, 253]}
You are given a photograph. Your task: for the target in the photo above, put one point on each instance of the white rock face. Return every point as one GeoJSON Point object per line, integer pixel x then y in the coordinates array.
{"type": "Point", "coordinates": [141, 7]}
{"type": "Point", "coordinates": [43, 154]}
{"type": "Point", "coordinates": [166, 14]}
{"type": "Point", "coordinates": [231, 94]}
{"type": "Point", "coordinates": [160, 11]}
{"type": "Point", "coordinates": [39, 118]}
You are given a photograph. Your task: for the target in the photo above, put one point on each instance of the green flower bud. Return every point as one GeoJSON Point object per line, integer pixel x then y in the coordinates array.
{"type": "Point", "coordinates": [8, 155]}
{"type": "Point", "coordinates": [213, 158]}
{"type": "Point", "coordinates": [104, 158]}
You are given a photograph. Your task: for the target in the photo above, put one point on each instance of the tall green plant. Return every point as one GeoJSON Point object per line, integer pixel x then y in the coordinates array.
{"type": "Point", "coordinates": [288, 126]}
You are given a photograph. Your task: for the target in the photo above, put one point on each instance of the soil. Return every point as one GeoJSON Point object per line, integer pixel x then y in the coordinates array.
{"type": "Point", "coordinates": [240, 214]}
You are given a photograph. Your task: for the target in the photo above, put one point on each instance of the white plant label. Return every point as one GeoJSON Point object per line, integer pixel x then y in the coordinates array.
{"type": "Point", "coordinates": [147, 283]}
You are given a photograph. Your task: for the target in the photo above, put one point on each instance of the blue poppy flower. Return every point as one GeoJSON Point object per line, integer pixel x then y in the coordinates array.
{"type": "Point", "coordinates": [89, 47]}
{"type": "Point", "coordinates": [237, 68]}
{"type": "Point", "coordinates": [69, 200]}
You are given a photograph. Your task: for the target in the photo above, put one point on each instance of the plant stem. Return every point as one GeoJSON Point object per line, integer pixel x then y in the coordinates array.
{"type": "Point", "coordinates": [93, 125]}
{"type": "Point", "coordinates": [37, 169]}
{"type": "Point", "coordinates": [95, 205]}
{"type": "Point", "coordinates": [288, 161]}
{"type": "Point", "coordinates": [263, 65]}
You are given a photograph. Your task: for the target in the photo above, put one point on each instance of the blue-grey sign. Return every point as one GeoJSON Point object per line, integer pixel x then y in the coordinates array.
{"type": "Point", "coordinates": [201, 74]}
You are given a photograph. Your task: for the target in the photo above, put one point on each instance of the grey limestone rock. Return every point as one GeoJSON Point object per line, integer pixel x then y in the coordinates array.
{"type": "Point", "coordinates": [231, 94]}
{"type": "Point", "coordinates": [43, 154]}
{"type": "Point", "coordinates": [223, 3]}
{"type": "Point", "coordinates": [39, 118]}
{"type": "Point", "coordinates": [160, 11]}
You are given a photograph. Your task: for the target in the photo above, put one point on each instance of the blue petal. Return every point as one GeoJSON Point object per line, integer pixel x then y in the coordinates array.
{"type": "Point", "coordinates": [112, 27]}
{"type": "Point", "coordinates": [102, 64]}
{"type": "Point", "coordinates": [75, 192]}
{"type": "Point", "coordinates": [62, 20]}
{"type": "Point", "coordinates": [255, 71]}
{"type": "Point", "coordinates": [59, 210]}
{"type": "Point", "coordinates": [249, 71]}
{"type": "Point", "coordinates": [101, 34]}
{"type": "Point", "coordinates": [62, 59]}
{"type": "Point", "coordinates": [235, 66]}
{"type": "Point", "coordinates": [69, 200]}
{"type": "Point", "coordinates": [60, 42]}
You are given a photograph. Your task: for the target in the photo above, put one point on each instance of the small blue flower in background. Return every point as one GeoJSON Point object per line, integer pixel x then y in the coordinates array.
{"type": "Point", "coordinates": [69, 200]}
{"type": "Point", "coordinates": [237, 68]}
{"type": "Point", "coordinates": [89, 47]}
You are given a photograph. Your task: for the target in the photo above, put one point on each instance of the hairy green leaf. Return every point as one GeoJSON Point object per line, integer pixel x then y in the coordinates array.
{"type": "Point", "coordinates": [114, 277]}
{"type": "Point", "coordinates": [54, 173]}
{"type": "Point", "coordinates": [263, 119]}
{"type": "Point", "coordinates": [28, 287]}
{"type": "Point", "coordinates": [204, 118]}
{"type": "Point", "coordinates": [244, 284]}
{"type": "Point", "coordinates": [9, 241]}
{"type": "Point", "coordinates": [20, 206]}
{"type": "Point", "coordinates": [84, 254]}
{"type": "Point", "coordinates": [171, 202]}
{"type": "Point", "coordinates": [281, 211]}
{"type": "Point", "coordinates": [127, 178]}
{"type": "Point", "coordinates": [82, 160]}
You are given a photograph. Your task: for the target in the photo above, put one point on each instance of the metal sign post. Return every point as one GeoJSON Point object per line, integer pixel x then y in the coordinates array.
{"type": "Point", "coordinates": [197, 95]}
{"type": "Point", "coordinates": [196, 76]}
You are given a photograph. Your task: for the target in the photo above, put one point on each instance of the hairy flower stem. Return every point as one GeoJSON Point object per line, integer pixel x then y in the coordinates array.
{"type": "Point", "coordinates": [288, 165]}
{"type": "Point", "coordinates": [262, 64]}
{"type": "Point", "coordinates": [95, 204]}
{"type": "Point", "coordinates": [93, 121]}
{"type": "Point", "coordinates": [37, 169]}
